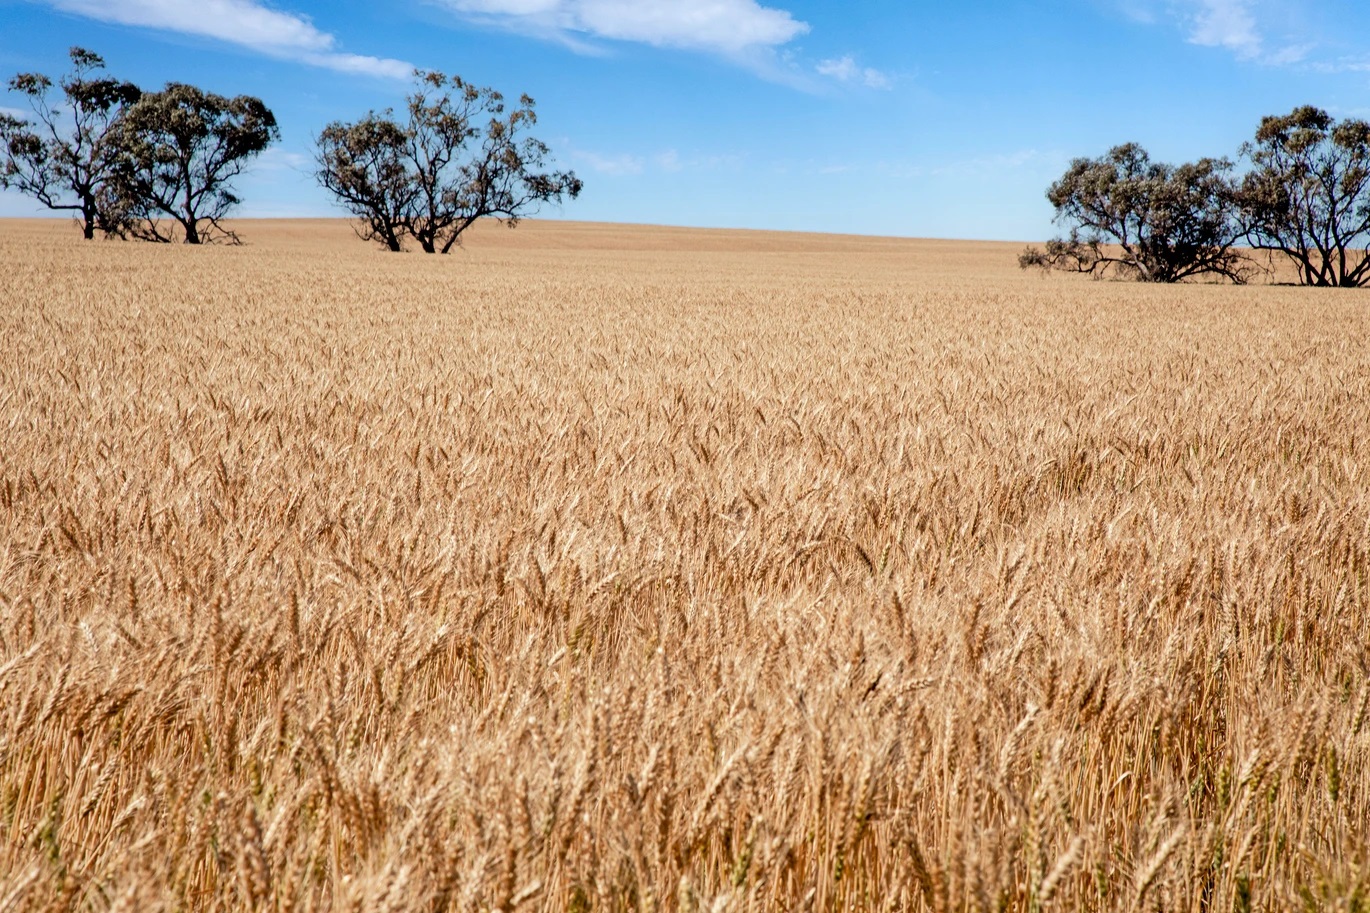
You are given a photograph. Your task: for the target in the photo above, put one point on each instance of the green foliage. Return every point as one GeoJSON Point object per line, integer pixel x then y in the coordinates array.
{"type": "Point", "coordinates": [364, 166]}
{"type": "Point", "coordinates": [1307, 195]}
{"type": "Point", "coordinates": [1145, 220]}
{"type": "Point", "coordinates": [434, 175]}
{"type": "Point", "coordinates": [65, 157]}
{"type": "Point", "coordinates": [180, 150]}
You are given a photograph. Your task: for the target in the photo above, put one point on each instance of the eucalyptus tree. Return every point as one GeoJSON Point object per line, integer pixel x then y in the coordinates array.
{"type": "Point", "coordinates": [64, 154]}
{"type": "Point", "coordinates": [1307, 195]}
{"type": "Point", "coordinates": [455, 157]}
{"type": "Point", "coordinates": [180, 150]}
{"type": "Point", "coordinates": [1145, 220]}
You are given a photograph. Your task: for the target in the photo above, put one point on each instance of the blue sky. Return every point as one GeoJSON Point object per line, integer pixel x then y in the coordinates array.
{"type": "Point", "coordinates": [889, 117]}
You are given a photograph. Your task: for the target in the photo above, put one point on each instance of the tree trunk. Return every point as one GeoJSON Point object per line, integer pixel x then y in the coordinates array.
{"type": "Point", "coordinates": [88, 214]}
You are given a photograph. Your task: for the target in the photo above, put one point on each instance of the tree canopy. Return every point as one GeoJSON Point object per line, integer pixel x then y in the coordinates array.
{"type": "Point", "coordinates": [65, 156]}
{"type": "Point", "coordinates": [181, 148]}
{"type": "Point", "coordinates": [456, 157]}
{"type": "Point", "coordinates": [1307, 195]}
{"type": "Point", "coordinates": [1145, 220]}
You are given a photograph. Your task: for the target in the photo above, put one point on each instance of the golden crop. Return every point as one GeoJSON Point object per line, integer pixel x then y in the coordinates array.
{"type": "Point", "coordinates": [608, 569]}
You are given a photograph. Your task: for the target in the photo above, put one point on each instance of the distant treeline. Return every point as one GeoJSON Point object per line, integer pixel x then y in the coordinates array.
{"type": "Point", "coordinates": [159, 166]}
{"type": "Point", "coordinates": [1303, 193]}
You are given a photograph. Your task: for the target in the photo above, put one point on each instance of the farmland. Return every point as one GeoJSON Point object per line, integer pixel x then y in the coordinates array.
{"type": "Point", "coordinates": [614, 568]}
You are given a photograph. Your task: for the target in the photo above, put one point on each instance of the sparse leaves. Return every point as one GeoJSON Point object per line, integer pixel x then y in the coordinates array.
{"type": "Point", "coordinates": [457, 157]}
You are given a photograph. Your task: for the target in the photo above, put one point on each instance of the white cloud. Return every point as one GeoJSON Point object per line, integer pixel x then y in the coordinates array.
{"type": "Point", "coordinates": [846, 70]}
{"type": "Point", "coordinates": [875, 79]}
{"type": "Point", "coordinates": [1294, 53]}
{"type": "Point", "coordinates": [723, 26]}
{"type": "Point", "coordinates": [843, 69]}
{"type": "Point", "coordinates": [361, 65]}
{"type": "Point", "coordinates": [1269, 32]}
{"type": "Point", "coordinates": [16, 113]}
{"type": "Point", "coordinates": [1227, 24]}
{"type": "Point", "coordinates": [1273, 33]}
{"type": "Point", "coordinates": [242, 22]}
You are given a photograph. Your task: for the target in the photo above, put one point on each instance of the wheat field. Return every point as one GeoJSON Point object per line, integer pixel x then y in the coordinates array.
{"type": "Point", "coordinates": [610, 568]}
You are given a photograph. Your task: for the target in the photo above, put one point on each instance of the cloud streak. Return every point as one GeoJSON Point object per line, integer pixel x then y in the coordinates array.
{"type": "Point", "coordinates": [1268, 32]}
{"type": "Point", "coordinates": [245, 23]}
{"type": "Point", "coordinates": [623, 164]}
{"type": "Point", "coordinates": [1227, 24]}
{"type": "Point", "coordinates": [846, 70]}
{"type": "Point", "coordinates": [730, 27]}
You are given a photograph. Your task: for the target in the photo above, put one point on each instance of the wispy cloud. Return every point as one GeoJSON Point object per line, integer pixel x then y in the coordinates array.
{"type": "Point", "coordinates": [730, 27]}
{"type": "Point", "coordinates": [1268, 32]}
{"type": "Point", "coordinates": [15, 113]}
{"type": "Point", "coordinates": [246, 23]}
{"type": "Point", "coordinates": [1228, 24]}
{"type": "Point", "coordinates": [609, 164]}
{"type": "Point", "coordinates": [667, 161]}
{"type": "Point", "coordinates": [277, 159]}
{"type": "Point", "coordinates": [1342, 65]}
{"type": "Point", "coordinates": [846, 70]}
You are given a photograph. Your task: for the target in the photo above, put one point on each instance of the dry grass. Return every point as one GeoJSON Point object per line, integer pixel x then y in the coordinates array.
{"type": "Point", "coordinates": [627, 569]}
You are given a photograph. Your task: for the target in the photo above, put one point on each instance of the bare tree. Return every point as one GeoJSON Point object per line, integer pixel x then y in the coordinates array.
{"type": "Point", "coordinates": [64, 157]}
{"type": "Point", "coordinates": [1145, 220]}
{"type": "Point", "coordinates": [1307, 195]}
{"type": "Point", "coordinates": [181, 148]}
{"type": "Point", "coordinates": [433, 176]}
